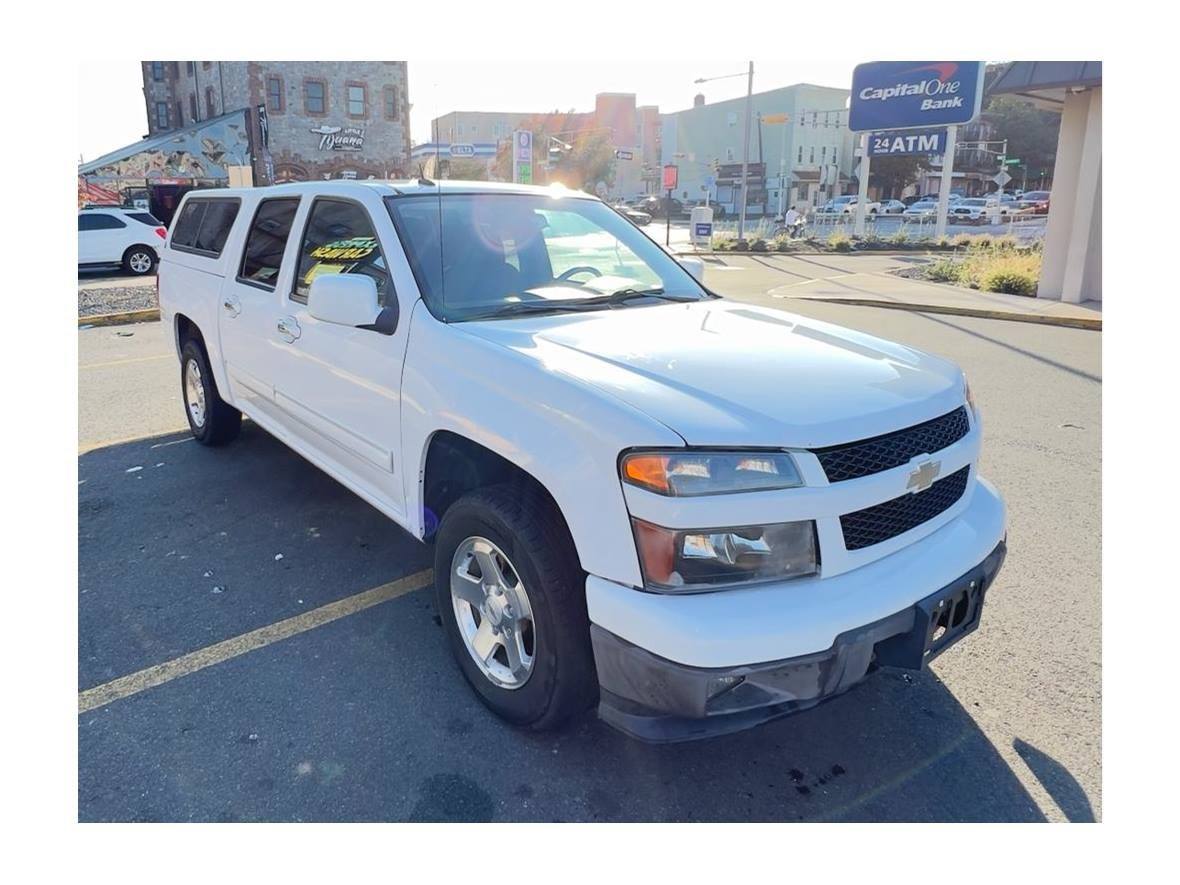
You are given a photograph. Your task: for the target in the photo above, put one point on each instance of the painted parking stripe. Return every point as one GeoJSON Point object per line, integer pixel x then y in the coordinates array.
{"type": "Point", "coordinates": [138, 359]}
{"type": "Point", "coordinates": [150, 677]}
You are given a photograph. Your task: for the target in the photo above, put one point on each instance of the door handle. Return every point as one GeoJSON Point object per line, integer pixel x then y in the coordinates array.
{"type": "Point", "coordinates": [288, 328]}
{"type": "Point", "coordinates": [232, 306]}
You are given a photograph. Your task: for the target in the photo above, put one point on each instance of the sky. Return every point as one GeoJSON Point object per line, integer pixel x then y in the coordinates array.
{"type": "Point", "coordinates": [111, 108]}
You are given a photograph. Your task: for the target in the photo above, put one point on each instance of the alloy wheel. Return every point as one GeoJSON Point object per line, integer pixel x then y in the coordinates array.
{"type": "Point", "coordinates": [493, 612]}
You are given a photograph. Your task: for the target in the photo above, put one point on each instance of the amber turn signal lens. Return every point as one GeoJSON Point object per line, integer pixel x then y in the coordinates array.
{"type": "Point", "coordinates": [649, 471]}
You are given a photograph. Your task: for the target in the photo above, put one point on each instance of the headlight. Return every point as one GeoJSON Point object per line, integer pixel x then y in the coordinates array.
{"type": "Point", "coordinates": [968, 397]}
{"type": "Point", "coordinates": [684, 473]}
{"type": "Point", "coordinates": [705, 559]}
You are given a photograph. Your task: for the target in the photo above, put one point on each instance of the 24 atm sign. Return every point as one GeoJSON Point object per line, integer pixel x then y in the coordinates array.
{"type": "Point", "coordinates": [907, 141]}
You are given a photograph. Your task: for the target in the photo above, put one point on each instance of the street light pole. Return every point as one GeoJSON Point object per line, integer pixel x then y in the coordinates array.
{"type": "Point", "coordinates": [746, 153]}
{"type": "Point", "coordinates": [746, 146]}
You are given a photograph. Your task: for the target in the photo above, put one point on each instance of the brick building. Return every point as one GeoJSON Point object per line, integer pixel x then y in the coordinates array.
{"type": "Point", "coordinates": [324, 119]}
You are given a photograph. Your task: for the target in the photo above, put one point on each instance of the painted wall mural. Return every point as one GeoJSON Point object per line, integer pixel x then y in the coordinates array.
{"type": "Point", "coordinates": [203, 151]}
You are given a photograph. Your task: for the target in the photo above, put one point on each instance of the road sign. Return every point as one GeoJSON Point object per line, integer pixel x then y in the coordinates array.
{"type": "Point", "coordinates": [671, 176]}
{"type": "Point", "coordinates": [462, 150]}
{"type": "Point", "coordinates": [914, 94]}
{"type": "Point", "coordinates": [1011, 161]}
{"type": "Point", "coordinates": [1001, 178]}
{"type": "Point", "coordinates": [907, 141]}
{"type": "Point", "coordinates": [624, 155]}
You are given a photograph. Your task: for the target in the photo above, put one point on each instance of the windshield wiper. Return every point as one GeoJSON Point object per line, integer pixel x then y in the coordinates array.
{"type": "Point", "coordinates": [516, 308]}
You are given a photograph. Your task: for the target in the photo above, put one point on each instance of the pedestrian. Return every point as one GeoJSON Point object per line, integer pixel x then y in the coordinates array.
{"type": "Point", "coordinates": [793, 222]}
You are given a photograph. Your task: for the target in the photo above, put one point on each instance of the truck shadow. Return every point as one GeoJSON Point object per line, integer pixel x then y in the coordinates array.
{"type": "Point", "coordinates": [182, 546]}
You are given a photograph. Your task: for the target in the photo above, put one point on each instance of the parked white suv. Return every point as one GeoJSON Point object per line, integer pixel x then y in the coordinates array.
{"type": "Point", "coordinates": [116, 237]}
{"type": "Point", "coordinates": [698, 513]}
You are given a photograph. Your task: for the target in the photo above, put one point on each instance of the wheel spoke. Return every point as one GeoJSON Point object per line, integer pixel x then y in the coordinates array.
{"type": "Point", "coordinates": [512, 647]}
{"type": "Point", "coordinates": [489, 567]}
{"type": "Point", "coordinates": [485, 642]}
{"type": "Point", "coordinates": [467, 588]}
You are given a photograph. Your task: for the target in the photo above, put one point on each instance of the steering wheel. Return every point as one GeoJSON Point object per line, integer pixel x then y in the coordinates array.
{"type": "Point", "coordinates": [564, 277]}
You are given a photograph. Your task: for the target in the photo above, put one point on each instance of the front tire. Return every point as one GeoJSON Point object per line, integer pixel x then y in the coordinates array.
{"type": "Point", "coordinates": [213, 421]}
{"type": "Point", "coordinates": [511, 596]}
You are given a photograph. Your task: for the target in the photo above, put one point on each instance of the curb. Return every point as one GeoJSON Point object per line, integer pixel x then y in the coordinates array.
{"type": "Point", "coordinates": [148, 315]}
{"type": "Point", "coordinates": [1093, 325]}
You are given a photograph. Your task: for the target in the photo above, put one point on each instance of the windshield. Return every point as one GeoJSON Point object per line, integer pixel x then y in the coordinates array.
{"type": "Point", "coordinates": [975, 202]}
{"type": "Point", "coordinates": [507, 254]}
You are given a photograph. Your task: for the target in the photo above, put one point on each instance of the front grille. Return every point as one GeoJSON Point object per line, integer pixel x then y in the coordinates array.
{"type": "Point", "coordinates": [851, 460]}
{"type": "Point", "coordinates": [881, 522]}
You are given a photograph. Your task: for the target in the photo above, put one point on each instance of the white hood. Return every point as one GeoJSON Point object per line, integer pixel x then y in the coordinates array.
{"type": "Point", "coordinates": [722, 373]}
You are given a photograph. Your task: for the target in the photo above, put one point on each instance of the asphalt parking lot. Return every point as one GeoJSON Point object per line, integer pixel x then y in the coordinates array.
{"type": "Point", "coordinates": [356, 712]}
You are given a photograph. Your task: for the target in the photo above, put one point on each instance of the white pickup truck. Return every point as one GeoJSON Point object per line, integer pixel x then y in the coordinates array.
{"type": "Point", "coordinates": [697, 513]}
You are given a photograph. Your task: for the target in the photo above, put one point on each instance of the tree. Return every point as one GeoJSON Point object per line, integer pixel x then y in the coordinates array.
{"type": "Point", "coordinates": [464, 169]}
{"type": "Point", "coordinates": [1031, 133]}
{"type": "Point", "coordinates": [893, 173]}
{"type": "Point", "coordinates": [589, 159]}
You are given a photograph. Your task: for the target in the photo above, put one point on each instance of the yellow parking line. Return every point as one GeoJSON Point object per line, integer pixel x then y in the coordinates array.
{"type": "Point", "coordinates": [134, 683]}
{"type": "Point", "coordinates": [138, 359]}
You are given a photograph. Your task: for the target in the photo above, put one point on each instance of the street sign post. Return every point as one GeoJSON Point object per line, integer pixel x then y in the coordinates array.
{"type": "Point", "coordinates": [671, 177]}
{"type": "Point", "coordinates": [624, 155]}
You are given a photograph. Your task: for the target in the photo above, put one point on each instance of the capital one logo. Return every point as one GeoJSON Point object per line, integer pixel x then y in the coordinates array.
{"type": "Point", "coordinates": [940, 90]}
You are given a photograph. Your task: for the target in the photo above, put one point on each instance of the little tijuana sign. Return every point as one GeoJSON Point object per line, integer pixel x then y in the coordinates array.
{"type": "Point", "coordinates": [340, 138]}
{"type": "Point", "coordinates": [913, 94]}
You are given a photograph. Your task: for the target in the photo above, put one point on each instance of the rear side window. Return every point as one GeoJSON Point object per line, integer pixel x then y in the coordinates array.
{"type": "Point", "coordinates": [266, 241]}
{"type": "Point", "coordinates": [99, 221]}
{"type": "Point", "coordinates": [339, 238]}
{"type": "Point", "coordinates": [146, 218]}
{"type": "Point", "coordinates": [204, 225]}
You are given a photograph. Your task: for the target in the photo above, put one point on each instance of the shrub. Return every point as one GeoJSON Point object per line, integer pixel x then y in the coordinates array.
{"type": "Point", "coordinates": [1007, 241]}
{"type": "Point", "coordinates": [838, 241]}
{"type": "Point", "coordinates": [742, 246]}
{"type": "Point", "coordinates": [782, 244]}
{"type": "Point", "coordinates": [982, 241]}
{"type": "Point", "coordinates": [944, 270]}
{"type": "Point", "coordinates": [899, 237]}
{"type": "Point", "coordinates": [759, 245]}
{"type": "Point", "coordinates": [723, 242]}
{"type": "Point", "coordinates": [1011, 275]}
{"type": "Point", "coordinates": [962, 241]}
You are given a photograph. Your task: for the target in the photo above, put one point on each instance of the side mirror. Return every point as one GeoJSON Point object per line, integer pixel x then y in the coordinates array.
{"type": "Point", "coordinates": [349, 300]}
{"type": "Point", "coordinates": [694, 266]}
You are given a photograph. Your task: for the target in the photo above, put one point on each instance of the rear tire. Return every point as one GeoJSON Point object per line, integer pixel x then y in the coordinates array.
{"type": "Point", "coordinates": [213, 421]}
{"type": "Point", "coordinates": [525, 527]}
{"type": "Point", "coordinates": [139, 260]}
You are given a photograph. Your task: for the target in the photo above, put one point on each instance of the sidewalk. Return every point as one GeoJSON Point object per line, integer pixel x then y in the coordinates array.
{"type": "Point", "coordinates": [876, 287]}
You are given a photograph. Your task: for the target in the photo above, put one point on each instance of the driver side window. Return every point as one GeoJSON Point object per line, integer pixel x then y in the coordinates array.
{"type": "Point", "coordinates": [339, 238]}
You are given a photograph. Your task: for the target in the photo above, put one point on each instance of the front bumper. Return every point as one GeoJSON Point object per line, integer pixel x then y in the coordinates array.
{"type": "Point", "coordinates": [658, 700]}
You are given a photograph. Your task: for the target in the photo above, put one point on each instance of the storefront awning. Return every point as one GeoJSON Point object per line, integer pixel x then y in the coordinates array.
{"type": "Point", "coordinates": [203, 150]}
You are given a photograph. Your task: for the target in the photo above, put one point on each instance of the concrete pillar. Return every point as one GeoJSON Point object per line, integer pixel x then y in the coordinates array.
{"type": "Point", "coordinates": [1072, 266]}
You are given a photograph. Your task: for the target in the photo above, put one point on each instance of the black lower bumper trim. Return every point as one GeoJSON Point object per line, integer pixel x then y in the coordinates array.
{"type": "Point", "coordinates": [654, 699]}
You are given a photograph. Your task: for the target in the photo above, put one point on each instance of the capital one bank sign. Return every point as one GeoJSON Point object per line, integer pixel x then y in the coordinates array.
{"type": "Point", "coordinates": [912, 94]}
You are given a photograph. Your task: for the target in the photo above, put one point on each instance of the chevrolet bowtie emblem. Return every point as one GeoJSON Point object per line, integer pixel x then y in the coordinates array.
{"type": "Point", "coordinates": [923, 477]}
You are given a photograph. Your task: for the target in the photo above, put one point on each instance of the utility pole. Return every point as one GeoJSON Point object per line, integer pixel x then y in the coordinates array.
{"type": "Point", "coordinates": [746, 153]}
